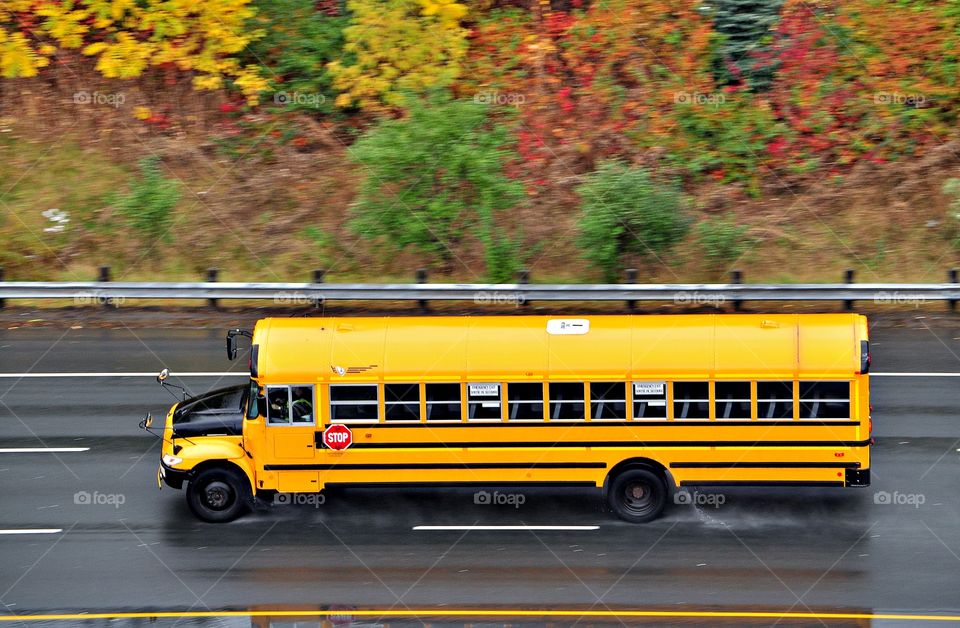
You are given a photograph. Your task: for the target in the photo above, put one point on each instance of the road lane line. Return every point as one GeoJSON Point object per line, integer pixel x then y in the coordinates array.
{"type": "Point", "coordinates": [914, 374]}
{"type": "Point", "coordinates": [34, 531]}
{"type": "Point", "coordinates": [486, 612]}
{"type": "Point", "coordinates": [41, 450]}
{"type": "Point", "coordinates": [506, 527]}
{"type": "Point", "coordinates": [125, 374]}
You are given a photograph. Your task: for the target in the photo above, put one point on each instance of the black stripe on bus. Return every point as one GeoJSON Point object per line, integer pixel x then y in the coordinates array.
{"type": "Point", "coordinates": [765, 465]}
{"type": "Point", "coordinates": [605, 423]}
{"type": "Point", "coordinates": [631, 444]}
{"type": "Point", "coordinates": [431, 483]}
{"type": "Point", "coordinates": [437, 465]}
{"type": "Point", "coordinates": [762, 483]}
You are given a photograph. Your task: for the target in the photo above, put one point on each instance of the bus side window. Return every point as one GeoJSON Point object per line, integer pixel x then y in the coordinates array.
{"type": "Point", "coordinates": [401, 402]}
{"type": "Point", "coordinates": [302, 404]}
{"type": "Point", "coordinates": [354, 402]}
{"type": "Point", "coordinates": [525, 401]}
{"type": "Point", "coordinates": [732, 400]}
{"type": "Point", "coordinates": [566, 401]}
{"type": "Point", "coordinates": [278, 405]}
{"type": "Point", "coordinates": [691, 400]}
{"type": "Point", "coordinates": [650, 400]}
{"type": "Point", "coordinates": [824, 400]}
{"type": "Point", "coordinates": [608, 400]}
{"type": "Point", "coordinates": [774, 400]}
{"type": "Point", "coordinates": [483, 401]}
{"type": "Point", "coordinates": [443, 402]}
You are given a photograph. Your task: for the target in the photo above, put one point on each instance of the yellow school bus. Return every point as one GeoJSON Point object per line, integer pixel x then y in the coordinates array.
{"type": "Point", "coordinates": [633, 405]}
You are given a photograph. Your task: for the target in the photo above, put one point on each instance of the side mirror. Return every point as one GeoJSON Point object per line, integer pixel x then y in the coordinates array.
{"type": "Point", "coordinates": [163, 376]}
{"type": "Point", "coordinates": [232, 341]}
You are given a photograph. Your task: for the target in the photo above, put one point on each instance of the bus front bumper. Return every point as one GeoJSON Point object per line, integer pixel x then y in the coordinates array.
{"type": "Point", "coordinates": [174, 478]}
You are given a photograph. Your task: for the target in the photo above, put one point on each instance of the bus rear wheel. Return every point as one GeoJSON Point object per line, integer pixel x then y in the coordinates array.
{"type": "Point", "coordinates": [637, 495]}
{"type": "Point", "coordinates": [218, 495]}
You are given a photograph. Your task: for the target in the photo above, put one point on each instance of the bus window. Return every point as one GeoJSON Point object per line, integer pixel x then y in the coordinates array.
{"type": "Point", "coordinates": [278, 408]}
{"type": "Point", "coordinates": [649, 400]}
{"type": "Point", "coordinates": [691, 400]}
{"type": "Point", "coordinates": [732, 400]}
{"type": "Point", "coordinates": [525, 401]}
{"type": "Point", "coordinates": [608, 400]}
{"type": "Point", "coordinates": [301, 404]}
{"type": "Point", "coordinates": [566, 401]}
{"type": "Point", "coordinates": [353, 402]}
{"type": "Point", "coordinates": [824, 400]}
{"type": "Point", "coordinates": [775, 400]}
{"type": "Point", "coordinates": [443, 402]}
{"type": "Point", "coordinates": [401, 402]}
{"type": "Point", "coordinates": [483, 401]}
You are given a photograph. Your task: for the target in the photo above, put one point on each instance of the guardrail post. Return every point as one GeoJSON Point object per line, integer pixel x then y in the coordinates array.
{"type": "Point", "coordinates": [736, 277]}
{"type": "Point", "coordinates": [631, 278]}
{"type": "Point", "coordinates": [523, 278]}
{"type": "Point", "coordinates": [319, 276]}
{"type": "Point", "coordinates": [212, 278]}
{"type": "Point", "coordinates": [951, 277]}
{"type": "Point", "coordinates": [3, 302]}
{"type": "Point", "coordinates": [848, 277]}
{"type": "Point", "coordinates": [422, 278]}
{"type": "Point", "coordinates": [105, 277]}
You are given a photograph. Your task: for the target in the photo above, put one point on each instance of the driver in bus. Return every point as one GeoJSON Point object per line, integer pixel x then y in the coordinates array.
{"type": "Point", "coordinates": [302, 406]}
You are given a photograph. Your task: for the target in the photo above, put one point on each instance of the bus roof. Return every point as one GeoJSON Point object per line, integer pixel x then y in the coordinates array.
{"type": "Point", "coordinates": [518, 348]}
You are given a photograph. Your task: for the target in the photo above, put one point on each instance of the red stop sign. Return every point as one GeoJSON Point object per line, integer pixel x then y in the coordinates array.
{"type": "Point", "coordinates": [337, 437]}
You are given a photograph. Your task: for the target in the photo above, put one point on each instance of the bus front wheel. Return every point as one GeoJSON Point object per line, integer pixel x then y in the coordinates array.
{"type": "Point", "coordinates": [217, 495]}
{"type": "Point", "coordinates": [637, 495]}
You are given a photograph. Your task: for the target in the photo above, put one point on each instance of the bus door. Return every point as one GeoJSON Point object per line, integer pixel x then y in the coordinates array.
{"type": "Point", "coordinates": [290, 429]}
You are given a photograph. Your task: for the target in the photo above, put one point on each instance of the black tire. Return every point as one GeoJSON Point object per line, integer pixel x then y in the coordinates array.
{"type": "Point", "coordinates": [637, 495]}
{"type": "Point", "coordinates": [218, 495]}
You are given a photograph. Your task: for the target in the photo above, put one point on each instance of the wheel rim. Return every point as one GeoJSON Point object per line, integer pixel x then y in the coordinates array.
{"type": "Point", "coordinates": [217, 495]}
{"type": "Point", "coordinates": [638, 498]}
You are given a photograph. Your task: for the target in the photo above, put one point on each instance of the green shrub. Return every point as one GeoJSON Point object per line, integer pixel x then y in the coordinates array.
{"type": "Point", "coordinates": [434, 178]}
{"type": "Point", "coordinates": [299, 41]}
{"type": "Point", "coordinates": [148, 206]}
{"type": "Point", "coordinates": [624, 210]}
{"type": "Point", "coordinates": [723, 241]}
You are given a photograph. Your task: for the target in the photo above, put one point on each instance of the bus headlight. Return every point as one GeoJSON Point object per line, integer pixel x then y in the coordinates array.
{"type": "Point", "coordinates": [171, 460]}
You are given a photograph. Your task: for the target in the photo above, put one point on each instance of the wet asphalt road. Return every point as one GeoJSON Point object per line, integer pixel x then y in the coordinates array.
{"type": "Point", "coordinates": [136, 547]}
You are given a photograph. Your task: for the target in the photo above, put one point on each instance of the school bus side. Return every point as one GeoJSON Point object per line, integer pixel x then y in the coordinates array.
{"type": "Point", "coordinates": [632, 404]}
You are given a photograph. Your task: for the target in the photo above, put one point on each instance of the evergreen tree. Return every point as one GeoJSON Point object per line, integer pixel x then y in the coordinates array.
{"type": "Point", "coordinates": [745, 28]}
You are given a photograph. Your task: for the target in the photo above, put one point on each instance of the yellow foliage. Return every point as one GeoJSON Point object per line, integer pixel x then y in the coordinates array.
{"type": "Point", "coordinates": [128, 36]}
{"type": "Point", "coordinates": [400, 46]}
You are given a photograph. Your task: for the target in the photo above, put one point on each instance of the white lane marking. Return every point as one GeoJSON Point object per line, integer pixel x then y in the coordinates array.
{"type": "Point", "coordinates": [129, 374]}
{"type": "Point", "coordinates": [506, 527]}
{"type": "Point", "coordinates": [914, 374]}
{"type": "Point", "coordinates": [41, 450]}
{"type": "Point", "coordinates": [34, 531]}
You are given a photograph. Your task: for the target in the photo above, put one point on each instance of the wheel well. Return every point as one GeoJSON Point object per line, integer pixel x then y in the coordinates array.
{"type": "Point", "coordinates": [220, 464]}
{"type": "Point", "coordinates": [640, 463]}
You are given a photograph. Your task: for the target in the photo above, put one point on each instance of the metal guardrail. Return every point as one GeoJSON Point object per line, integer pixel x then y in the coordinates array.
{"type": "Point", "coordinates": [306, 293]}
